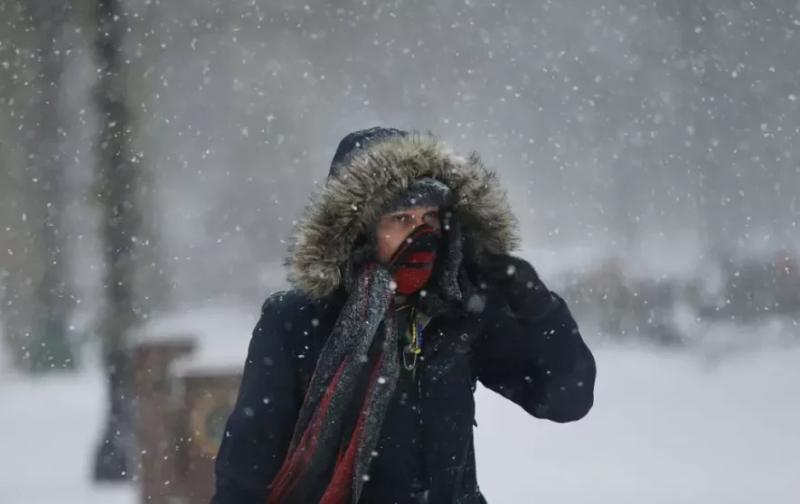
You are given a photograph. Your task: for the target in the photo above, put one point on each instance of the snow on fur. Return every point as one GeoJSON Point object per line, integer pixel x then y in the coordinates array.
{"type": "Point", "coordinates": [352, 201]}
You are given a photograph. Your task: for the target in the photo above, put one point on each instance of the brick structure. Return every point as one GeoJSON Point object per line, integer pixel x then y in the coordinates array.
{"type": "Point", "coordinates": [155, 417]}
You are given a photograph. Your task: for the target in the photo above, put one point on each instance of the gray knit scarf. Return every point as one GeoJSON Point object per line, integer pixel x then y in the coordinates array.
{"type": "Point", "coordinates": [339, 422]}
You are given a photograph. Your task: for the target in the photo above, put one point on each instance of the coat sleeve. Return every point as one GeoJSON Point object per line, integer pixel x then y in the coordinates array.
{"type": "Point", "coordinates": [538, 360]}
{"type": "Point", "coordinates": [260, 426]}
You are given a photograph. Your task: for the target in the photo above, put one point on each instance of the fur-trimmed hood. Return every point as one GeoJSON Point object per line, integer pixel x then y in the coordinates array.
{"type": "Point", "coordinates": [353, 200]}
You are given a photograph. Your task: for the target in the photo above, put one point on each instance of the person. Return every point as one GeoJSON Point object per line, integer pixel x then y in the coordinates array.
{"type": "Point", "coordinates": [359, 380]}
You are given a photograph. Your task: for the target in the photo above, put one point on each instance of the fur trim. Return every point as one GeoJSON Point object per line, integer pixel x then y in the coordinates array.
{"type": "Point", "coordinates": [353, 200]}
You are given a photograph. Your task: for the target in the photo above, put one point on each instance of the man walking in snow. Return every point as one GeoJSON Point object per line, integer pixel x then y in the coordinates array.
{"type": "Point", "coordinates": [358, 385]}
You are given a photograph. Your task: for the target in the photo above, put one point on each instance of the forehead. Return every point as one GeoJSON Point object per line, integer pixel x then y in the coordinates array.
{"type": "Point", "coordinates": [414, 210]}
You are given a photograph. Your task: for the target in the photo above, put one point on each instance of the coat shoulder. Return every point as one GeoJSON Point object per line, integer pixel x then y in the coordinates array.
{"type": "Point", "coordinates": [285, 303]}
{"type": "Point", "coordinates": [295, 311]}
{"type": "Point", "coordinates": [299, 326]}
{"type": "Point", "coordinates": [287, 309]}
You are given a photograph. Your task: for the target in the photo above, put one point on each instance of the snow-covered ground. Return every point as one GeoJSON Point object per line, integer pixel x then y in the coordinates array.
{"type": "Point", "coordinates": [666, 428]}
{"type": "Point", "coordinates": [48, 432]}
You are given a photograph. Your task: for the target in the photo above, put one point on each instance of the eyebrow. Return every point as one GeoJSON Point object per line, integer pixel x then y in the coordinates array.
{"type": "Point", "coordinates": [406, 212]}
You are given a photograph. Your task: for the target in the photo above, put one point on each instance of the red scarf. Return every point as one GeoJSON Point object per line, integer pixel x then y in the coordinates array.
{"type": "Point", "coordinates": [412, 263]}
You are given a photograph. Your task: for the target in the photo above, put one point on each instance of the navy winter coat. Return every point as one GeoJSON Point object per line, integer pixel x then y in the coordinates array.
{"type": "Point", "coordinates": [544, 366]}
{"type": "Point", "coordinates": [539, 362]}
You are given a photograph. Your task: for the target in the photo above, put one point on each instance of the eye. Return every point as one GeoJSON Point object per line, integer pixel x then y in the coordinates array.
{"type": "Point", "coordinates": [431, 218]}
{"type": "Point", "coordinates": [402, 218]}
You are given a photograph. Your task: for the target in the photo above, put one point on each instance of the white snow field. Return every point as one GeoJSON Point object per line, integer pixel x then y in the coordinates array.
{"type": "Point", "coordinates": [666, 428]}
{"type": "Point", "coordinates": [48, 431]}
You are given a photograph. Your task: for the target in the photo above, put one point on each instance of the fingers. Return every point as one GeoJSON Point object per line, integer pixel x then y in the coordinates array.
{"type": "Point", "coordinates": [503, 267]}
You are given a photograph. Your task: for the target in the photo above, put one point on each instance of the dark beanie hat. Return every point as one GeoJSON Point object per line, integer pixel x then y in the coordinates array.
{"type": "Point", "coordinates": [358, 140]}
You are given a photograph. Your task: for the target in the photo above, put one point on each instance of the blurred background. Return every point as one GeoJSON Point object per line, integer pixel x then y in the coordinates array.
{"type": "Point", "coordinates": [153, 157]}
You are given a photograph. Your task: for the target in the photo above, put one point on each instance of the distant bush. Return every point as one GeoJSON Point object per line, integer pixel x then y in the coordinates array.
{"type": "Point", "coordinates": [679, 311]}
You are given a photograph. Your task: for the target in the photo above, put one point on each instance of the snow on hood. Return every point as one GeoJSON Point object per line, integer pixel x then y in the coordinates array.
{"type": "Point", "coordinates": [352, 201]}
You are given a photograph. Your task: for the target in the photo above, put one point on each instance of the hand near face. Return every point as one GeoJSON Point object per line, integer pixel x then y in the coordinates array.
{"type": "Point", "coordinates": [516, 281]}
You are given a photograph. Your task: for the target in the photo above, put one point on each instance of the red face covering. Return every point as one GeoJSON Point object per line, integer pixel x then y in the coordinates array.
{"type": "Point", "coordinates": [412, 263]}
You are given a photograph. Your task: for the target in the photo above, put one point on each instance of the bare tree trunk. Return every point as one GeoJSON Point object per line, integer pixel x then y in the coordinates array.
{"type": "Point", "coordinates": [36, 304]}
{"type": "Point", "coordinates": [50, 347]}
{"type": "Point", "coordinates": [117, 182]}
